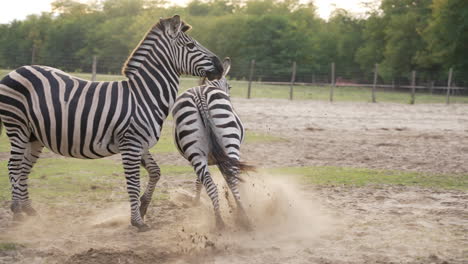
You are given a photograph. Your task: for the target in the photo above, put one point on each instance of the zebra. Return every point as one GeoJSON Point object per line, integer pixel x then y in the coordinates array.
{"type": "Point", "coordinates": [44, 107]}
{"type": "Point", "coordinates": [207, 131]}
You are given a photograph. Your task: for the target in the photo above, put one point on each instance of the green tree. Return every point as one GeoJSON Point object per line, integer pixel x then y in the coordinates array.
{"type": "Point", "coordinates": [400, 35]}
{"type": "Point", "coordinates": [373, 44]}
{"type": "Point", "coordinates": [406, 19]}
{"type": "Point", "coordinates": [342, 38]}
{"type": "Point", "coordinates": [447, 35]}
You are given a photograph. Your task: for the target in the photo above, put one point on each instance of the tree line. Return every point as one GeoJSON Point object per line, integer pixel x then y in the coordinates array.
{"type": "Point", "coordinates": [429, 36]}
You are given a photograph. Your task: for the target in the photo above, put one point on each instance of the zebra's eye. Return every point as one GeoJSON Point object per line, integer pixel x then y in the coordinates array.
{"type": "Point", "coordinates": [190, 45]}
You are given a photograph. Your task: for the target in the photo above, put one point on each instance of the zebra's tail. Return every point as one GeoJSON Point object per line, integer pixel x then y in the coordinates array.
{"type": "Point", "coordinates": [229, 167]}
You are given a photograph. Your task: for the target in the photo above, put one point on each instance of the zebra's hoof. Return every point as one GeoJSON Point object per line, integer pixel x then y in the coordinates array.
{"type": "Point", "coordinates": [220, 224]}
{"type": "Point", "coordinates": [143, 210]}
{"type": "Point", "coordinates": [245, 224]}
{"type": "Point", "coordinates": [18, 217]}
{"type": "Point", "coordinates": [196, 201]}
{"type": "Point", "coordinates": [143, 228]}
{"type": "Point", "coordinates": [30, 211]}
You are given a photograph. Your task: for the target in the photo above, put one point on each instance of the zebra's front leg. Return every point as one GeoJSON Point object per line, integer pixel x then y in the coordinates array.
{"type": "Point", "coordinates": [34, 150]}
{"type": "Point", "coordinates": [22, 159]}
{"type": "Point", "coordinates": [19, 190]}
{"type": "Point", "coordinates": [131, 160]}
{"type": "Point", "coordinates": [242, 217]}
{"type": "Point", "coordinates": [154, 173]}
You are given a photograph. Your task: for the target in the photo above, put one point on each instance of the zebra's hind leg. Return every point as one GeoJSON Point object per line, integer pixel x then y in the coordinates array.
{"type": "Point", "coordinates": [242, 218]}
{"type": "Point", "coordinates": [201, 168]}
{"type": "Point", "coordinates": [23, 157]}
{"type": "Point", "coordinates": [131, 159]}
{"type": "Point", "coordinates": [198, 186]}
{"type": "Point", "coordinates": [154, 173]}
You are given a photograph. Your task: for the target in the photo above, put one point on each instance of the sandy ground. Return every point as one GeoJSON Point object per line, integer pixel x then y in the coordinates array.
{"type": "Point", "coordinates": [429, 138]}
{"type": "Point", "coordinates": [294, 223]}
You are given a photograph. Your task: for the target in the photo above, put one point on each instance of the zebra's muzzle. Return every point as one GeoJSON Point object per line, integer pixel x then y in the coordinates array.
{"type": "Point", "coordinates": [217, 71]}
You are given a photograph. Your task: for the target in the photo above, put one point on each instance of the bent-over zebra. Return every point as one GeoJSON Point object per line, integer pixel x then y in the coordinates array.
{"type": "Point", "coordinates": [209, 132]}
{"type": "Point", "coordinates": [42, 106]}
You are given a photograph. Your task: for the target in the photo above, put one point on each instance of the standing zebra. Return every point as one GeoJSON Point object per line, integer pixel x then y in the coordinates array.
{"type": "Point", "coordinates": [42, 106]}
{"type": "Point", "coordinates": [209, 132]}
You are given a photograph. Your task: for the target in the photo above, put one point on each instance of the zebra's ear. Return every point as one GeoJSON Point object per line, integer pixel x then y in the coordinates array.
{"type": "Point", "coordinates": [172, 26]}
{"type": "Point", "coordinates": [226, 66]}
{"type": "Point", "coordinates": [186, 27]}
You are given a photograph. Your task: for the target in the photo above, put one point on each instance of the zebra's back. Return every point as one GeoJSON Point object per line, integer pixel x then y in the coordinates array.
{"type": "Point", "coordinates": [70, 116]}
{"type": "Point", "coordinates": [191, 128]}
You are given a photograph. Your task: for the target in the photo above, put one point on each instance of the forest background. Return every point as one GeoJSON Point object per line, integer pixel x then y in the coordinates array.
{"type": "Point", "coordinates": [429, 36]}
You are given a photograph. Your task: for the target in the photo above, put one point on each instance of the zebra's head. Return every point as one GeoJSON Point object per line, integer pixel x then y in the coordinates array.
{"type": "Point", "coordinates": [189, 56]}
{"type": "Point", "coordinates": [222, 83]}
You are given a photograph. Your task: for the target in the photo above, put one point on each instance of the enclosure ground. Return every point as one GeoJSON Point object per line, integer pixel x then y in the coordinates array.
{"type": "Point", "coordinates": [303, 207]}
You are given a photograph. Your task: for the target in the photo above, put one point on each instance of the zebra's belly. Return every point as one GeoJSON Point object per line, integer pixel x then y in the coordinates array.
{"type": "Point", "coordinates": [82, 150]}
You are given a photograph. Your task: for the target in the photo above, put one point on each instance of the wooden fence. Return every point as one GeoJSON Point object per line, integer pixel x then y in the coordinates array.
{"type": "Point", "coordinates": [374, 86]}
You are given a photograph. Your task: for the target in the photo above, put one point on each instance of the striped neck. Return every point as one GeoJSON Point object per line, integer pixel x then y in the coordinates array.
{"type": "Point", "coordinates": [152, 74]}
{"type": "Point", "coordinates": [154, 48]}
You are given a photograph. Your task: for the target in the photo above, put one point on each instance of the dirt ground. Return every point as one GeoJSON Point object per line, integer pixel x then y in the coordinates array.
{"type": "Point", "coordinates": [293, 223]}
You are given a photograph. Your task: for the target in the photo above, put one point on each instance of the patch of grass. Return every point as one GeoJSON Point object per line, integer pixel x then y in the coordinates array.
{"type": "Point", "coordinates": [166, 141]}
{"type": "Point", "coordinates": [65, 178]}
{"type": "Point", "coordinates": [7, 246]}
{"type": "Point", "coordinates": [322, 93]}
{"type": "Point", "coordinates": [255, 137]}
{"type": "Point", "coordinates": [4, 72]}
{"type": "Point", "coordinates": [362, 177]}
{"type": "Point", "coordinates": [4, 143]}
{"type": "Point", "coordinates": [176, 170]}
{"type": "Point", "coordinates": [56, 179]}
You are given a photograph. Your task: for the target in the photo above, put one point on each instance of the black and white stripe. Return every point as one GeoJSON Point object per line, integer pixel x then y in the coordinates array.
{"type": "Point", "coordinates": [42, 106]}
{"type": "Point", "coordinates": [209, 132]}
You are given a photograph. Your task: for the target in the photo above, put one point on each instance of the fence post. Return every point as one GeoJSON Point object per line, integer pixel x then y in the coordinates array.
{"type": "Point", "coordinates": [252, 65]}
{"type": "Point", "coordinates": [313, 78]}
{"type": "Point", "coordinates": [293, 79]}
{"type": "Point", "coordinates": [413, 88]}
{"type": "Point", "coordinates": [332, 81]}
{"type": "Point", "coordinates": [431, 87]}
{"type": "Point", "coordinates": [93, 68]}
{"type": "Point", "coordinates": [375, 82]}
{"type": "Point", "coordinates": [449, 85]}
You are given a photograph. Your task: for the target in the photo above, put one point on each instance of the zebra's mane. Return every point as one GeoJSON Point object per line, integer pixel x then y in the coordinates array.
{"type": "Point", "coordinates": [137, 56]}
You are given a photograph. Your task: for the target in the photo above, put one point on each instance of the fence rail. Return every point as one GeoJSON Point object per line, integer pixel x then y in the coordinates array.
{"type": "Point", "coordinates": [295, 76]}
{"type": "Point", "coordinates": [334, 82]}
{"type": "Point", "coordinates": [362, 85]}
